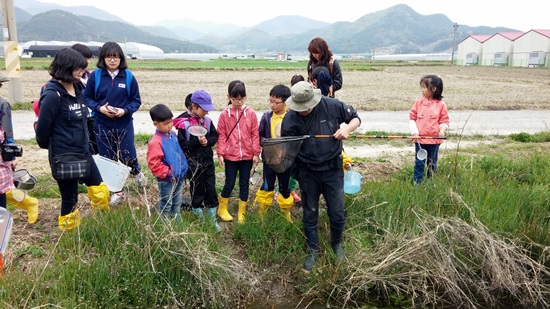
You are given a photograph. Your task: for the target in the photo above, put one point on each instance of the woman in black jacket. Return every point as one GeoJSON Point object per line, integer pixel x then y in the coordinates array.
{"type": "Point", "coordinates": [62, 129]}
{"type": "Point", "coordinates": [320, 55]}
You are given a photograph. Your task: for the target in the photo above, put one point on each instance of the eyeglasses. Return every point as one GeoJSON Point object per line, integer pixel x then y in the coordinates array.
{"type": "Point", "coordinates": [274, 102]}
{"type": "Point", "coordinates": [112, 57]}
{"type": "Point", "coordinates": [241, 99]}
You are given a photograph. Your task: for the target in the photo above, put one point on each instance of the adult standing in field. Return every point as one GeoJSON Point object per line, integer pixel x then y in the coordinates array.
{"type": "Point", "coordinates": [321, 55]}
{"type": "Point", "coordinates": [62, 129]}
{"type": "Point", "coordinates": [112, 92]}
{"type": "Point", "coordinates": [318, 165]}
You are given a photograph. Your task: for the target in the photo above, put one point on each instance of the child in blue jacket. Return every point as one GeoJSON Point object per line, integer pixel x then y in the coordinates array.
{"type": "Point", "coordinates": [167, 162]}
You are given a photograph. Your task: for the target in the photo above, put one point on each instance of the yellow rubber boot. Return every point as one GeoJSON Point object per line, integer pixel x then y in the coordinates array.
{"type": "Point", "coordinates": [264, 199]}
{"type": "Point", "coordinates": [30, 204]}
{"type": "Point", "coordinates": [285, 204]}
{"type": "Point", "coordinates": [70, 221]}
{"type": "Point", "coordinates": [99, 196]}
{"type": "Point", "coordinates": [222, 209]}
{"type": "Point", "coordinates": [242, 211]}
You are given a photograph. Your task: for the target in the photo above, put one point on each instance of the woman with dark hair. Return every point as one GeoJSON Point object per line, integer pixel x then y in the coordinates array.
{"type": "Point", "coordinates": [320, 55]}
{"type": "Point", "coordinates": [62, 129]}
{"type": "Point", "coordinates": [112, 92]}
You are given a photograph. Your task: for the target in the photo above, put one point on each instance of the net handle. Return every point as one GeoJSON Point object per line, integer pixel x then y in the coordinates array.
{"type": "Point", "coordinates": [383, 136]}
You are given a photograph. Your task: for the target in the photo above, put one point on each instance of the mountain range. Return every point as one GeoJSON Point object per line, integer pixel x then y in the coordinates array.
{"type": "Point", "coordinates": [395, 30]}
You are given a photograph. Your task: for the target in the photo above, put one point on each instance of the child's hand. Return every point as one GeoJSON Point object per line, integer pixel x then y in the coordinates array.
{"type": "Point", "coordinates": [221, 162]}
{"type": "Point", "coordinates": [442, 132]}
{"type": "Point", "coordinates": [203, 141]}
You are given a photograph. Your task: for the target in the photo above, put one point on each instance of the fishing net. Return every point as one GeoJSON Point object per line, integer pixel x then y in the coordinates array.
{"type": "Point", "coordinates": [280, 152]}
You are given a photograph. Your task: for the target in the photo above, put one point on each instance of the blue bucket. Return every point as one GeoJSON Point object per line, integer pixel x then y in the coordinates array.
{"type": "Point", "coordinates": [352, 182]}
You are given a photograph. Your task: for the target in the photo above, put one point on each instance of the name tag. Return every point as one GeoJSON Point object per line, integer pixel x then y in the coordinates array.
{"type": "Point", "coordinates": [122, 86]}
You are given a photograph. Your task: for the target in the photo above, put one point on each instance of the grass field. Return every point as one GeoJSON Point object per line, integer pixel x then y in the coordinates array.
{"type": "Point", "coordinates": [475, 236]}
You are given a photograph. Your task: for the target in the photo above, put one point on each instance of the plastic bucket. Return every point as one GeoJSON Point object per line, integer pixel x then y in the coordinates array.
{"type": "Point", "coordinates": [114, 173]}
{"type": "Point", "coordinates": [352, 182]}
{"type": "Point", "coordinates": [6, 222]}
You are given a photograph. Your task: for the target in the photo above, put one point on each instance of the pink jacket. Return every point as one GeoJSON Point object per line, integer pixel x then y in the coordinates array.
{"type": "Point", "coordinates": [244, 141]}
{"type": "Point", "coordinates": [429, 115]}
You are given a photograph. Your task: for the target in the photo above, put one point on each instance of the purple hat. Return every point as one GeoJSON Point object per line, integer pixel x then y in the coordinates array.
{"type": "Point", "coordinates": [203, 99]}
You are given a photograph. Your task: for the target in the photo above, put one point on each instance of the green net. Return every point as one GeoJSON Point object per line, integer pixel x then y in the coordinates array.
{"type": "Point", "coordinates": [280, 152]}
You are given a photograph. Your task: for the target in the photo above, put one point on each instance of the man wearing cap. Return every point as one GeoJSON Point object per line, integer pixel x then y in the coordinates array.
{"type": "Point", "coordinates": [318, 166]}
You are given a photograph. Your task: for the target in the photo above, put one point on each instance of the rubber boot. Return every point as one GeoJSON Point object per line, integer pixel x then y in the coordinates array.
{"type": "Point", "coordinates": [198, 212]}
{"type": "Point", "coordinates": [70, 221]}
{"type": "Point", "coordinates": [211, 212]}
{"type": "Point", "coordinates": [222, 209]}
{"type": "Point", "coordinates": [29, 204]}
{"type": "Point", "coordinates": [311, 259]}
{"type": "Point", "coordinates": [285, 204]}
{"type": "Point", "coordinates": [99, 197]}
{"type": "Point", "coordinates": [242, 211]}
{"type": "Point", "coordinates": [264, 199]}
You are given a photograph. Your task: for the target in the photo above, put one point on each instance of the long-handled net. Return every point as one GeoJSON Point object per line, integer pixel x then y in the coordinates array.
{"type": "Point", "coordinates": [280, 152]}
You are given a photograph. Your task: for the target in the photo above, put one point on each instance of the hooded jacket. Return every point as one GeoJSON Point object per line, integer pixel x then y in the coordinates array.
{"type": "Point", "coordinates": [196, 154]}
{"type": "Point", "coordinates": [239, 138]}
{"type": "Point", "coordinates": [60, 127]}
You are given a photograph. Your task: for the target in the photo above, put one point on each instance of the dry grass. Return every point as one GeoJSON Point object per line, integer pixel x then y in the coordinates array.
{"type": "Point", "coordinates": [449, 262]}
{"type": "Point", "coordinates": [391, 88]}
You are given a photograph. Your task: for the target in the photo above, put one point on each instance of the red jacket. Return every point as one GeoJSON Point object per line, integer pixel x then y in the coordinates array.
{"type": "Point", "coordinates": [239, 138]}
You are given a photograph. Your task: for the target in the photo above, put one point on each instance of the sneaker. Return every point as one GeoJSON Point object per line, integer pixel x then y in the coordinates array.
{"type": "Point", "coordinates": [295, 196]}
{"type": "Point", "coordinates": [141, 179]}
{"type": "Point", "coordinates": [339, 252]}
{"type": "Point", "coordinates": [116, 198]}
{"type": "Point", "coordinates": [310, 261]}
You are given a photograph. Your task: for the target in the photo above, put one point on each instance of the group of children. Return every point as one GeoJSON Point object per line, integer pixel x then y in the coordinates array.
{"type": "Point", "coordinates": [172, 157]}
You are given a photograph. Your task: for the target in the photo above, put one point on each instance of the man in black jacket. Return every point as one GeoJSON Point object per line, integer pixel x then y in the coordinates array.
{"type": "Point", "coordinates": [318, 166]}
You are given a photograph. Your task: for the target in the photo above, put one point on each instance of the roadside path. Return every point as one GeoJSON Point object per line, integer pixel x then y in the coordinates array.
{"type": "Point", "coordinates": [462, 122]}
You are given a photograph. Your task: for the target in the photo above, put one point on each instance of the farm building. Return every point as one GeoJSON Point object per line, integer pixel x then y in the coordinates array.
{"type": "Point", "coordinates": [470, 49]}
{"type": "Point", "coordinates": [524, 49]}
{"type": "Point", "coordinates": [532, 49]}
{"type": "Point", "coordinates": [48, 49]}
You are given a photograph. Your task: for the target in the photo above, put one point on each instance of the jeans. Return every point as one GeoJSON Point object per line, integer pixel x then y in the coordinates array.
{"type": "Point", "coordinates": [170, 197]}
{"type": "Point", "coordinates": [433, 150]}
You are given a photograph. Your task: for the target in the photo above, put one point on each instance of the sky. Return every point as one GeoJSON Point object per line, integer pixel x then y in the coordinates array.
{"type": "Point", "coordinates": [520, 15]}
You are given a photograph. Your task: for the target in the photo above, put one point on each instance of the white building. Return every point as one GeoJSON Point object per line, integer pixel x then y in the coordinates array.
{"type": "Point", "coordinates": [470, 49]}
{"type": "Point", "coordinates": [532, 49]}
{"type": "Point", "coordinates": [132, 50]}
{"type": "Point", "coordinates": [521, 49]}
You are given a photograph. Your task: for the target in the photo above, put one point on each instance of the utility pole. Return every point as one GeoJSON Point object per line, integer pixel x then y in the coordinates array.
{"type": "Point", "coordinates": [11, 53]}
{"type": "Point", "coordinates": [454, 38]}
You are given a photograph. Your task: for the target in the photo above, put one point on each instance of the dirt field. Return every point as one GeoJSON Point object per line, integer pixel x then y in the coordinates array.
{"type": "Point", "coordinates": [392, 88]}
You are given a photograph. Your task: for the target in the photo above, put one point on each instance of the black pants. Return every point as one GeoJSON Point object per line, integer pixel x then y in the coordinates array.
{"type": "Point", "coordinates": [69, 189]}
{"type": "Point", "coordinates": [231, 169]}
{"type": "Point", "coordinates": [331, 184]}
{"type": "Point", "coordinates": [203, 186]}
{"type": "Point", "coordinates": [269, 178]}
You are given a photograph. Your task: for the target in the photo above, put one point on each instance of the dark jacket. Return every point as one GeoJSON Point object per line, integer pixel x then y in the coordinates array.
{"type": "Point", "coordinates": [60, 127]}
{"type": "Point", "coordinates": [114, 92]}
{"type": "Point", "coordinates": [335, 73]}
{"type": "Point", "coordinates": [327, 116]}
{"type": "Point", "coordinates": [196, 154]}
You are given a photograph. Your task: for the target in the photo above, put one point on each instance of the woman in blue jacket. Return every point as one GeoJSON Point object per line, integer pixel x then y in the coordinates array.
{"type": "Point", "coordinates": [113, 93]}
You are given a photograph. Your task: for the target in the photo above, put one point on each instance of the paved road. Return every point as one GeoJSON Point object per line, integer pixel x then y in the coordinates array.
{"type": "Point", "coordinates": [462, 122]}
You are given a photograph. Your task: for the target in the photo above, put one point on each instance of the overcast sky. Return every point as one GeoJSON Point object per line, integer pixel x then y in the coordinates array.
{"type": "Point", "coordinates": [521, 15]}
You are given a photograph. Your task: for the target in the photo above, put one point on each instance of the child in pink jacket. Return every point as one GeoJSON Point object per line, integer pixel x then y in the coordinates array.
{"type": "Point", "coordinates": [238, 148]}
{"type": "Point", "coordinates": [428, 117]}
